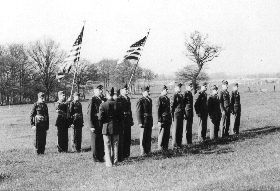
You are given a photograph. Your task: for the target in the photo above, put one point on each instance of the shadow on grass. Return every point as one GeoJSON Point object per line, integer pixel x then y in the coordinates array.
{"type": "Point", "coordinates": [206, 147]}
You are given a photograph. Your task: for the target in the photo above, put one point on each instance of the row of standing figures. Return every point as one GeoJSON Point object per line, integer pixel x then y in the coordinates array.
{"type": "Point", "coordinates": [110, 119]}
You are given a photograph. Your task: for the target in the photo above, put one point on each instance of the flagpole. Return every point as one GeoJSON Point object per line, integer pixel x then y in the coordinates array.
{"type": "Point", "coordinates": [137, 61]}
{"type": "Point", "coordinates": [77, 64]}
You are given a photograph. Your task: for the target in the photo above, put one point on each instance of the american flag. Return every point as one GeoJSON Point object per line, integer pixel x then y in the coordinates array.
{"type": "Point", "coordinates": [73, 57]}
{"type": "Point", "coordinates": [134, 52]}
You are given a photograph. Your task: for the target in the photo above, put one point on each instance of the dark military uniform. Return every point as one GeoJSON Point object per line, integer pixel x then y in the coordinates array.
{"type": "Point", "coordinates": [164, 117]}
{"type": "Point", "coordinates": [225, 109]}
{"type": "Point", "coordinates": [144, 117]}
{"type": "Point", "coordinates": [39, 117]}
{"type": "Point", "coordinates": [76, 119]}
{"type": "Point", "coordinates": [188, 104]}
{"type": "Point", "coordinates": [215, 115]}
{"type": "Point", "coordinates": [201, 109]}
{"type": "Point", "coordinates": [177, 112]}
{"type": "Point", "coordinates": [125, 132]}
{"type": "Point", "coordinates": [97, 144]}
{"type": "Point", "coordinates": [111, 118]}
{"type": "Point", "coordinates": [62, 125]}
{"type": "Point", "coordinates": [236, 112]}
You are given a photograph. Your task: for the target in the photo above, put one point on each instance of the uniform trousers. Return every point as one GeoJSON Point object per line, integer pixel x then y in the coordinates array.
{"type": "Point", "coordinates": [225, 123]}
{"type": "Point", "coordinates": [177, 131]}
{"type": "Point", "coordinates": [163, 136]}
{"type": "Point", "coordinates": [97, 146]}
{"type": "Point", "coordinates": [62, 138]}
{"type": "Point", "coordinates": [235, 123]}
{"type": "Point", "coordinates": [126, 141]}
{"type": "Point", "coordinates": [214, 127]}
{"type": "Point", "coordinates": [145, 139]}
{"type": "Point", "coordinates": [111, 144]}
{"type": "Point", "coordinates": [188, 129]}
{"type": "Point", "coordinates": [202, 127]}
{"type": "Point", "coordinates": [76, 138]}
{"type": "Point", "coordinates": [40, 135]}
{"type": "Point", "coordinates": [121, 145]}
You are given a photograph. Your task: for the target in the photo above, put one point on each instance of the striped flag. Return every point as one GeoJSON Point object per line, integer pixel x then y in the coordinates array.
{"type": "Point", "coordinates": [73, 57]}
{"type": "Point", "coordinates": [134, 52]}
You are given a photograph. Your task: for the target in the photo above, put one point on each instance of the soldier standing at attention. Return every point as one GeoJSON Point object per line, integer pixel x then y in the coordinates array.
{"type": "Point", "coordinates": [200, 105]}
{"type": "Point", "coordinates": [177, 113]}
{"type": "Point", "coordinates": [62, 122]}
{"type": "Point", "coordinates": [214, 111]}
{"type": "Point", "coordinates": [111, 118]}
{"type": "Point", "coordinates": [225, 108]}
{"type": "Point", "coordinates": [97, 144]}
{"type": "Point", "coordinates": [39, 118]}
{"type": "Point", "coordinates": [235, 110]}
{"type": "Point", "coordinates": [164, 119]}
{"type": "Point", "coordinates": [188, 104]}
{"type": "Point", "coordinates": [125, 133]}
{"type": "Point", "coordinates": [76, 122]}
{"type": "Point", "coordinates": [145, 121]}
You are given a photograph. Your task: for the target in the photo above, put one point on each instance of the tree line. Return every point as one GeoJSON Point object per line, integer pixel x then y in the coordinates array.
{"type": "Point", "coordinates": [26, 69]}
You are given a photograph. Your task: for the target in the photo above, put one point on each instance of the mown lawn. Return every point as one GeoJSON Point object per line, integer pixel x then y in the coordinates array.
{"type": "Point", "coordinates": [247, 162]}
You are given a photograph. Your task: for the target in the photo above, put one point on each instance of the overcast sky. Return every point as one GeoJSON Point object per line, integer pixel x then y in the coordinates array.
{"type": "Point", "coordinates": [247, 30]}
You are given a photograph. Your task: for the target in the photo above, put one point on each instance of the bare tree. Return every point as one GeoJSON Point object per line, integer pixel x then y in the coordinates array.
{"type": "Point", "coordinates": [45, 55]}
{"type": "Point", "coordinates": [106, 69]}
{"type": "Point", "coordinates": [200, 52]}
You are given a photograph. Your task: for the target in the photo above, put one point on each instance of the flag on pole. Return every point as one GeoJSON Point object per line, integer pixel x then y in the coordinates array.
{"type": "Point", "coordinates": [72, 57]}
{"type": "Point", "coordinates": [134, 52]}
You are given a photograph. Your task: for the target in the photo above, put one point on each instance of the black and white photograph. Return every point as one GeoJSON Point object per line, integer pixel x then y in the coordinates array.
{"type": "Point", "coordinates": [140, 95]}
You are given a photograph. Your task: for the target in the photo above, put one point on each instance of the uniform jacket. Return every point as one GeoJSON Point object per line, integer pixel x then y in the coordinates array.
{"type": "Point", "coordinates": [144, 111]}
{"type": "Point", "coordinates": [163, 109]}
{"type": "Point", "coordinates": [76, 114]}
{"type": "Point", "coordinates": [110, 117]}
{"type": "Point", "coordinates": [200, 103]}
{"type": "Point", "coordinates": [39, 115]}
{"type": "Point", "coordinates": [214, 109]}
{"type": "Point", "coordinates": [126, 109]}
{"type": "Point", "coordinates": [63, 112]}
{"type": "Point", "coordinates": [235, 102]}
{"type": "Point", "coordinates": [93, 110]}
{"type": "Point", "coordinates": [177, 105]}
{"type": "Point", "coordinates": [224, 101]}
{"type": "Point", "coordinates": [188, 104]}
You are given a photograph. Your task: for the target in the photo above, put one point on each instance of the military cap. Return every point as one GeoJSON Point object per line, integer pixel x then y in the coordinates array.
{"type": "Point", "coordinates": [224, 82]}
{"type": "Point", "coordinates": [125, 87]}
{"type": "Point", "coordinates": [236, 84]}
{"type": "Point", "coordinates": [99, 87]}
{"type": "Point", "coordinates": [204, 84]}
{"type": "Point", "coordinates": [164, 87]}
{"type": "Point", "coordinates": [112, 92]}
{"type": "Point", "coordinates": [214, 87]}
{"type": "Point", "coordinates": [147, 88]}
{"type": "Point", "coordinates": [76, 94]}
{"type": "Point", "coordinates": [179, 84]}
{"type": "Point", "coordinates": [41, 94]}
{"type": "Point", "coordinates": [188, 83]}
{"type": "Point", "coordinates": [60, 93]}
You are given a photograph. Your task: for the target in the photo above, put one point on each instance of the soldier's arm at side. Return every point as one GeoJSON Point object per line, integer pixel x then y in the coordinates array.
{"type": "Point", "coordinates": [139, 112]}
{"type": "Point", "coordinates": [222, 102]}
{"type": "Point", "coordinates": [210, 107]}
{"type": "Point", "coordinates": [48, 119]}
{"type": "Point", "coordinates": [32, 115]}
{"type": "Point", "coordinates": [172, 105]}
{"type": "Point", "coordinates": [196, 103]}
{"type": "Point", "coordinates": [129, 105]}
{"type": "Point", "coordinates": [89, 113]}
{"type": "Point", "coordinates": [101, 114]}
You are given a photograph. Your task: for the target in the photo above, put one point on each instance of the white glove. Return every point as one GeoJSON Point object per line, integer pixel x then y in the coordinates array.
{"type": "Point", "coordinates": [92, 129]}
{"type": "Point", "coordinates": [72, 126]}
{"type": "Point", "coordinates": [33, 127]}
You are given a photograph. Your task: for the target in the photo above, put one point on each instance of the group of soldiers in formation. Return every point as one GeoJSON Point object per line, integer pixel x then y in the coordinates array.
{"type": "Point", "coordinates": [110, 119]}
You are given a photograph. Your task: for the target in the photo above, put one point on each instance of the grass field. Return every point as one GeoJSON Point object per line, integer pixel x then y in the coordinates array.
{"type": "Point", "coordinates": [247, 162]}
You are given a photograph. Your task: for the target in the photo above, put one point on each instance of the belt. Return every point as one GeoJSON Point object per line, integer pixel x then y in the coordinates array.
{"type": "Point", "coordinates": [147, 114]}
{"type": "Point", "coordinates": [126, 113]}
